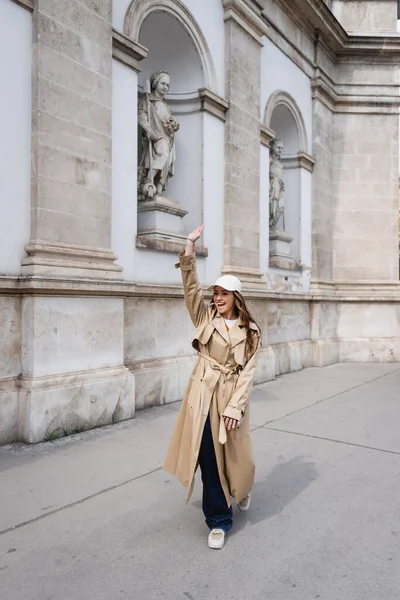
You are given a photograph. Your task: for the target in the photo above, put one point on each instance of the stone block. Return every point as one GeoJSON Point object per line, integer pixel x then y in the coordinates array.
{"type": "Point", "coordinates": [59, 134]}
{"type": "Point", "coordinates": [8, 411]}
{"type": "Point", "coordinates": [266, 369]}
{"type": "Point", "coordinates": [292, 356]}
{"type": "Point", "coordinates": [80, 201]}
{"type": "Point", "coordinates": [370, 350]}
{"type": "Point", "coordinates": [156, 328]}
{"type": "Point", "coordinates": [64, 227]}
{"type": "Point", "coordinates": [65, 335]}
{"type": "Point", "coordinates": [61, 405]}
{"type": "Point", "coordinates": [77, 78]}
{"type": "Point", "coordinates": [162, 381]}
{"type": "Point", "coordinates": [325, 352]}
{"type": "Point", "coordinates": [75, 16]}
{"type": "Point", "coordinates": [77, 109]}
{"type": "Point", "coordinates": [10, 335]}
{"type": "Point", "coordinates": [69, 43]}
{"type": "Point", "coordinates": [288, 321]}
{"type": "Point", "coordinates": [368, 321]}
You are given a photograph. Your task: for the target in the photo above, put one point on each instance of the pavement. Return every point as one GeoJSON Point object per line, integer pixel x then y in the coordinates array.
{"type": "Point", "coordinates": [94, 516]}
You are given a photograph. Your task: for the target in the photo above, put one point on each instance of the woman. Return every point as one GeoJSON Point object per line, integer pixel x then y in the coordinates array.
{"type": "Point", "coordinates": [213, 427]}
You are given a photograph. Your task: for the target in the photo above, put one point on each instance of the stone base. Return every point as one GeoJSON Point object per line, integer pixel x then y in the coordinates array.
{"type": "Point", "coordinates": [279, 243]}
{"type": "Point", "coordinates": [68, 260]}
{"type": "Point", "coordinates": [55, 406]}
{"type": "Point", "coordinates": [161, 381]}
{"type": "Point", "coordinates": [252, 279]}
{"type": "Point", "coordinates": [325, 352]}
{"type": "Point", "coordinates": [8, 410]}
{"type": "Point", "coordinates": [161, 219]}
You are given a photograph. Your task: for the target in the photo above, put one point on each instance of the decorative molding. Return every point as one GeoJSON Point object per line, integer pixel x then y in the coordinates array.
{"type": "Point", "coordinates": [250, 19]}
{"type": "Point", "coordinates": [251, 278]}
{"type": "Point", "coordinates": [326, 92]}
{"type": "Point", "coordinates": [213, 104]}
{"type": "Point", "coordinates": [281, 98]}
{"type": "Point", "coordinates": [28, 4]}
{"type": "Point", "coordinates": [266, 135]}
{"type": "Point", "coordinates": [281, 262]}
{"type": "Point", "coordinates": [139, 10]}
{"type": "Point", "coordinates": [69, 260]}
{"type": "Point", "coordinates": [321, 291]}
{"type": "Point", "coordinates": [302, 160]}
{"type": "Point", "coordinates": [127, 51]}
{"type": "Point", "coordinates": [166, 245]}
{"type": "Point", "coordinates": [315, 16]}
{"type": "Point", "coordinates": [161, 204]}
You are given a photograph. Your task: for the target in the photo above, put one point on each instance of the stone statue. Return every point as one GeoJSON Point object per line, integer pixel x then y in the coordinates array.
{"type": "Point", "coordinates": [156, 164]}
{"type": "Point", "coordinates": [276, 185]}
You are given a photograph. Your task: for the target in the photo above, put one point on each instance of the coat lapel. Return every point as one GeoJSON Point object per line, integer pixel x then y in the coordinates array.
{"type": "Point", "coordinates": [237, 334]}
{"type": "Point", "coordinates": [220, 326]}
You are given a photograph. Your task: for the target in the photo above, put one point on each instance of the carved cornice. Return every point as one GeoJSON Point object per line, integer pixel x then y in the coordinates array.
{"type": "Point", "coordinates": [63, 260]}
{"type": "Point", "coordinates": [28, 4]}
{"type": "Point", "coordinates": [302, 160]}
{"type": "Point", "coordinates": [213, 104]}
{"type": "Point", "coordinates": [249, 15]}
{"type": "Point", "coordinates": [316, 19]}
{"type": "Point", "coordinates": [127, 51]}
{"type": "Point", "coordinates": [266, 135]}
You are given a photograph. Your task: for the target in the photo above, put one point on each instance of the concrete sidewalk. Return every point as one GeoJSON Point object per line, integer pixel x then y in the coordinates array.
{"type": "Point", "coordinates": [94, 517]}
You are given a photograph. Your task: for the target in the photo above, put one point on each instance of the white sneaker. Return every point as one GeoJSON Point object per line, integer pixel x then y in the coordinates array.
{"type": "Point", "coordinates": [216, 539]}
{"type": "Point", "coordinates": [244, 505]}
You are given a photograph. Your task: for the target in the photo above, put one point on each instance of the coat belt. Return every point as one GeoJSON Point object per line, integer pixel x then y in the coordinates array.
{"type": "Point", "coordinates": [227, 373]}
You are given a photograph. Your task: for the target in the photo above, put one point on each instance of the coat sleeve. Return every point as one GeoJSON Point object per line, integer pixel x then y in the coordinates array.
{"type": "Point", "coordinates": [194, 298]}
{"type": "Point", "coordinates": [240, 397]}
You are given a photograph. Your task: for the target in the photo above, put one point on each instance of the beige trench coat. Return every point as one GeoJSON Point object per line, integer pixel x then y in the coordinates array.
{"type": "Point", "coordinates": [220, 384]}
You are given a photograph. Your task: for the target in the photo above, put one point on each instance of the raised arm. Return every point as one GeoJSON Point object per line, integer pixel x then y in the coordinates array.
{"type": "Point", "coordinates": [193, 291]}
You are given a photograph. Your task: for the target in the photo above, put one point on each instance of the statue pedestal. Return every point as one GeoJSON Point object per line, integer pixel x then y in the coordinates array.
{"type": "Point", "coordinates": [279, 243]}
{"type": "Point", "coordinates": [160, 223]}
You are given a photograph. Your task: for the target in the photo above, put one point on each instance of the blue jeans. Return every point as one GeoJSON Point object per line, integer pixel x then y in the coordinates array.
{"type": "Point", "coordinates": [216, 510]}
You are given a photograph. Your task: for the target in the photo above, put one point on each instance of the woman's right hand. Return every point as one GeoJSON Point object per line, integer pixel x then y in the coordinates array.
{"type": "Point", "coordinates": [196, 233]}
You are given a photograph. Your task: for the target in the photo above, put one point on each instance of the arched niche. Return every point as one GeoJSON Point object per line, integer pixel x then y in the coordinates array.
{"type": "Point", "coordinates": [139, 10]}
{"type": "Point", "coordinates": [175, 44]}
{"type": "Point", "coordinates": [284, 118]}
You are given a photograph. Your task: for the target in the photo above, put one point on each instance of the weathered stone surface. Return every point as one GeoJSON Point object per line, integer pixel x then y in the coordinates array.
{"type": "Point", "coordinates": [58, 406]}
{"type": "Point", "coordinates": [242, 148]}
{"type": "Point", "coordinates": [71, 127]}
{"type": "Point", "coordinates": [10, 335]}
{"type": "Point", "coordinates": [64, 335]}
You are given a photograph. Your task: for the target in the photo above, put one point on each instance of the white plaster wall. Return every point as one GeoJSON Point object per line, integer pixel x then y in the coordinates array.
{"type": "Point", "coordinates": [64, 335]}
{"type": "Point", "coordinates": [306, 218]}
{"type": "Point", "coordinates": [170, 48]}
{"type": "Point", "coordinates": [278, 72]}
{"type": "Point", "coordinates": [124, 166]}
{"type": "Point", "coordinates": [264, 208]}
{"type": "Point", "coordinates": [209, 15]}
{"type": "Point", "coordinates": [186, 185]}
{"type": "Point", "coordinates": [292, 208]}
{"type": "Point", "coordinates": [15, 138]}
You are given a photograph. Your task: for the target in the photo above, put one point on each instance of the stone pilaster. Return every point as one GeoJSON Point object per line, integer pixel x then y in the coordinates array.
{"type": "Point", "coordinates": [71, 141]}
{"type": "Point", "coordinates": [243, 30]}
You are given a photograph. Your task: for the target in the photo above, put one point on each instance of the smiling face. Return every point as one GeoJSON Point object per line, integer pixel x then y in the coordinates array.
{"type": "Point", "coordinates": [225, 302]}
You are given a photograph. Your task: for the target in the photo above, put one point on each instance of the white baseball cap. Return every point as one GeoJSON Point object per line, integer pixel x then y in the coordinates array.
{"type": "Point", "coordinates": [229, 282]}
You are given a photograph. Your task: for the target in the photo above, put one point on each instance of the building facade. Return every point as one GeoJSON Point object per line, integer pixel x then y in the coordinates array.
{"type": "Point", "coordinates": [93, 325]}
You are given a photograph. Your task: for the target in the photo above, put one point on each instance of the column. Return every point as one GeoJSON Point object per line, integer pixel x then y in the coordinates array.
{"type": "Point", "coordinates": [244, 28]}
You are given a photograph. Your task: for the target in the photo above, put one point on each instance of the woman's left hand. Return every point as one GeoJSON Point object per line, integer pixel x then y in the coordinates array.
{"type": "Point", "coordinates": [231, 424]}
